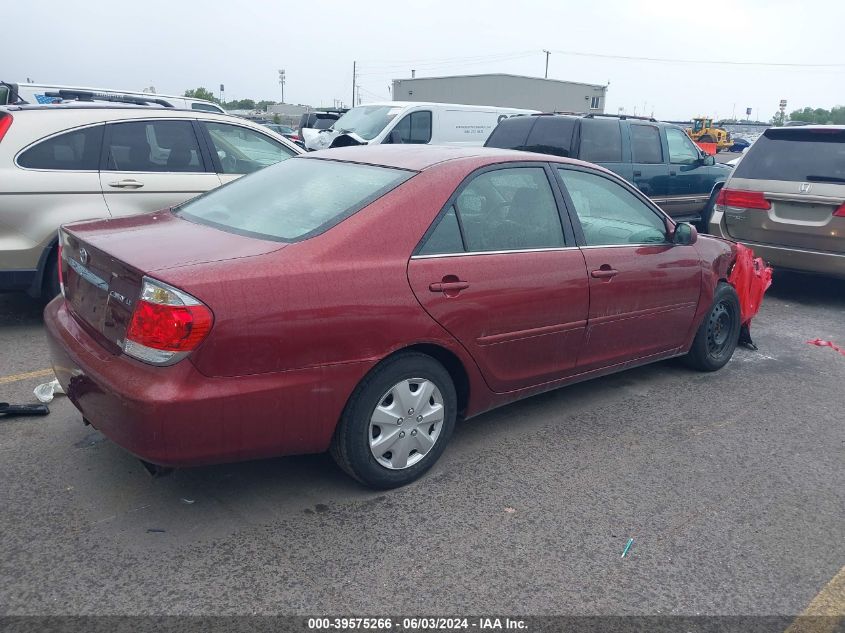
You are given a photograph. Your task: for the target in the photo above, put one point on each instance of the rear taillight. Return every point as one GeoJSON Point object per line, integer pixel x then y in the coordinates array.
{"type": "Point", "coordinates": [167, 324]}
{"type": "Point", "coordinates": [5, 124]}
{"type": "Point", "coordinates": [742, 199]}
{"type": "Point", "coordinates": [840, 212]}
{"type": "Point", "coordinates": [294, 137]}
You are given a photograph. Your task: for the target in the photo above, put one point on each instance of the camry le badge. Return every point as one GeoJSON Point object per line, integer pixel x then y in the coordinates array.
{"type": "Point", "coordinates": [804, 188]}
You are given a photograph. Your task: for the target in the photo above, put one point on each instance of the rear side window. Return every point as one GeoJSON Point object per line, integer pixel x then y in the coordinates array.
{"type": "Point", "coordinates": [153, 146]}
{"type": "Point", "coordinates": [445, 238]}
{"type": "Point", "coordinates": [803, 156]}
{"type": "Point", "coordinates": [511, 133]}
{"type": "Point", "coordinates": [645, 144]}
{"type": "Point", "coordinates": [294, 199]}
{"type": "Point", "coordinates": [78, 150]}
{"type": "Point", "coordinates": [551, 135]}
{"type": "Point", "coordinates": [206, 107]}
{"type": "Point", "coordinates": [601, 141]}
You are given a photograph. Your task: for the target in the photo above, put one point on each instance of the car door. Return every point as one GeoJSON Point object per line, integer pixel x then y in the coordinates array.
{"type": "Point", "coordinates": [414, 128]}
{"type": "Point", "coordinates": [237, 150]}
{"type": "Point", "coordinates": [650, 172]}
{"type": "Point", "coordinates": [644, 290]}
{"type": "Point", "coordinates": [689, 184]}
{"type": "Point", "coordinates": [498, 273]}
{"type": "Point", "coordinates": [152, 164]}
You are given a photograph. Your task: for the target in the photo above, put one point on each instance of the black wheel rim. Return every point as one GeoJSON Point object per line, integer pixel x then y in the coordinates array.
{"type": "Point", "coordinates": [720, 325]}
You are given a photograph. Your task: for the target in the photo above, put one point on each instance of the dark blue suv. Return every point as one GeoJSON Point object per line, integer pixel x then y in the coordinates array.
{"type": "Point", "coordinates": [659, 158]}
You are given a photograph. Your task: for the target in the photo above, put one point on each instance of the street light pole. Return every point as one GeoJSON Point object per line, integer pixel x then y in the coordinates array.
{"type": "Point", "coordinates": [547, 62]}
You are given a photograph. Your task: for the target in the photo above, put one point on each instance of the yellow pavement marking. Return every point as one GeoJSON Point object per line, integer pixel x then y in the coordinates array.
{"type": "Point", "coordinates": [825, 611]}
{"type": "Point", "coordinates": [30, 374]}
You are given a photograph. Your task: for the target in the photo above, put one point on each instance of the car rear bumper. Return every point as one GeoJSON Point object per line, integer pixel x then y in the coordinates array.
{"type": "Point", "coordinates": [803, 260]}
{"type": "Point", "coordinates": [176, 416]}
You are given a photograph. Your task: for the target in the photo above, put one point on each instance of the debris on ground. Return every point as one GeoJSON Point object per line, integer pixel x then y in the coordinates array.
{"type": "Point", "coordinates": [44, 392]}
{"type": "Point", "coordinates": [9, 410]}
{"type": "Point", "coordinates": [751, 278]}
{"type": "Point", "coordinates": [155, 531]}
{"type": "Point", "coordinates": [510, 510]}
{"type": "Point", "coordinates": [188, 501]}
{"type": "Point", "coordinates": [627, 546]}
{"type": "Point", "coordinates": [820, 343]}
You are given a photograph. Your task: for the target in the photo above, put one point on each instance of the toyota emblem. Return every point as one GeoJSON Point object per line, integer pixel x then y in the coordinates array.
{"type": "Point", "coordinates": [83, 256]}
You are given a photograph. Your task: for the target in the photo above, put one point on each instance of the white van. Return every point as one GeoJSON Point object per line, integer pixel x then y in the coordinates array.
{"type": "Point", "coordinates": [413, 122]}
{"type": "Point", "coordinates": [37, 93]}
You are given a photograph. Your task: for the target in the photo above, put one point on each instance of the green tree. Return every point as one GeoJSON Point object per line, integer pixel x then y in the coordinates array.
{"type": "Point", "coordinates": [277, 119]}
{"type": "Point", "coordinates": [779, 118]}
{"type": "Point", "coordinates": [201, 93]}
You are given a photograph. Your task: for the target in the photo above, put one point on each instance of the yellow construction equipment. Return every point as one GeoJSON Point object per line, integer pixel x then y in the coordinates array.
{"type": "Point", "coordinates": [703, 131]}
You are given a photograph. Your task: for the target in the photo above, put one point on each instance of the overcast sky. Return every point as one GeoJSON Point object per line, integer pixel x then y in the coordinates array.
{"type": "Point", "coordinates": [179, 44]}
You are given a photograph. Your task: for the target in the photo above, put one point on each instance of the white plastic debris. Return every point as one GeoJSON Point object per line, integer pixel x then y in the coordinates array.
{"type": "Point", "coordinates": [45, 392]}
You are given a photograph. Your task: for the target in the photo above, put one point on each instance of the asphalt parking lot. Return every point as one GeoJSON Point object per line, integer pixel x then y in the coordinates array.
{"type": "Point", "coordinates": [731, 484]}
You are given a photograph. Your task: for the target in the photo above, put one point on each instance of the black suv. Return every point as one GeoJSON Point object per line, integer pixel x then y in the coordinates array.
{"type": "Point", "coordinates": [659, 158]}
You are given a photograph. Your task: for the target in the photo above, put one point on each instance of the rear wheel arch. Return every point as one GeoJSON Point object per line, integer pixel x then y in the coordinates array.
{"type": "Point", "coordinates": [40, 285]}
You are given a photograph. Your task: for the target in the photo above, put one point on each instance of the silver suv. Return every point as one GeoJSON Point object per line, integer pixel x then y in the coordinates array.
{"type": "Point", "coordinates": [63, 163]}
{"type": "Point", "coordinates": [786, 199]}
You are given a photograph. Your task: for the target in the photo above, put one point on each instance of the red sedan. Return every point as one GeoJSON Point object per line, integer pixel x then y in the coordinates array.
{"type": "Point", "coordinates": [363, 299]}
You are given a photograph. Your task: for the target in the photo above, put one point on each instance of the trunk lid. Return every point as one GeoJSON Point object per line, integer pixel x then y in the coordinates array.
{"type": "Point", "coordinates": [104, 263]}
{"type": "Point", "coordinates": [801, 174]}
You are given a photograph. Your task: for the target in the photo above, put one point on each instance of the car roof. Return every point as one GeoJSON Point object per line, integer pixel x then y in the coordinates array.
{"type": "Point", "coordinates": [420, 157]}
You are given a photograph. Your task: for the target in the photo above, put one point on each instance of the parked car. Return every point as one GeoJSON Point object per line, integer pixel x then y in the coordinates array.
{"type": "Point", "coordinates": [41, 94]}
{"type": "Point", "coordinates": [61, 163]}
{"type": "Point", "coordinates": [363, 299]}
{"type": "Point", "coordinates": [659, 158]}
{"type": "Point", "coordinates": [284, 130]}
{"type": "Point", "coordinates": [310, 123]}
{"type": "Point", "coordinates": [739, 145]}
{"type": "Point", "coordinates": [419, 123]}
{"type": "Point", "coordinates": [786, 199]}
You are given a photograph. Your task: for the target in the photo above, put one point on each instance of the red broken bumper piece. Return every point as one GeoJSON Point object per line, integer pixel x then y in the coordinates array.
{"type": "Point", "coordinates": [751, 278]}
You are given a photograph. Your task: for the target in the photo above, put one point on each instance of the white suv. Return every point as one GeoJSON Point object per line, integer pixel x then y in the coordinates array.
{"type": "Point", "coordinates": [63, 163]}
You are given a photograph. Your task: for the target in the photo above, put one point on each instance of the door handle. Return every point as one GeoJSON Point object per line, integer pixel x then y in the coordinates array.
{"type": "Point", "coordinates": [448, 286]}
{"type": "Point", "coordinates": [637, 174]}
{"type": "Point", "coordinates": [605, 272]}
{"type": "Point", "coordinates": [673, 173]}
{"type": "Point", "coordinates": [128, 183]}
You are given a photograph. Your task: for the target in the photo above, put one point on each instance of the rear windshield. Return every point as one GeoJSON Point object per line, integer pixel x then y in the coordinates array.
{"type": "Point", "coordinates": [798, 155]}
{"type": "Point", "coordinates": [294, 199]}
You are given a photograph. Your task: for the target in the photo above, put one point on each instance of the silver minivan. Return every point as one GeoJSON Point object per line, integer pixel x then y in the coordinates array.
{"type": "Point", "coordinates": [786, 199]}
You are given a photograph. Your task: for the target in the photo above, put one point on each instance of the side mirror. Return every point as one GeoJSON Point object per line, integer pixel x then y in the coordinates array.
{"type": "Point", "coordinates": [708, 160]}
{"type": "Point", "coordinates": [684, 234]}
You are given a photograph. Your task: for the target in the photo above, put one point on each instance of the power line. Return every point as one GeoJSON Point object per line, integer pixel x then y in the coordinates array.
{"type": "Point", "coordinates": [698, 61]}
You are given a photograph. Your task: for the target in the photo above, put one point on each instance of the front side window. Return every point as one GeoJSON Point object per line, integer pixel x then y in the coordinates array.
{"type": "Point", "coordinates": [645, 144]}
{"type": "Point", "coordinates": [682, 151]}
{"type": "Point", "coordinates": [78, 150]}
{"type": "Point", "coordinates": [601, 141]}
{"type": "Point", "coordinates": [294, 199]}
{"type": "Point", "coordinates": [153, 146]}
{"type": "Point", "coordinates": [509, 209]}
{"type": "Point", "coordinates": [415, 128]}
{"type": "Point", "coordinates": [610, 214]}
{"type": "Point", "coordinates": [242, 150]}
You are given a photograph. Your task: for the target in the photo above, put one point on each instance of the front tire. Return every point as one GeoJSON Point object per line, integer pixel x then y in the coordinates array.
{"type": "Point", "coordinates": [397, 422]}
{"type": "Point", "coordinates": [717, 337]}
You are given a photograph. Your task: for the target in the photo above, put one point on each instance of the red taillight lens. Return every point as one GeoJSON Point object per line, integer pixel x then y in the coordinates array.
{"type": "Point", "coordinates": [166, 324]}
{"type": "Point", "coordinates": [840, 212]}
{"type": "Point", "coordinates": [169, 328]}
{"type": "Point", "coordinates": [5, 124]}
{"type": "Point", "coordinates": [294, 137]}
{"type": "Point", "coordinates": [742, 199]}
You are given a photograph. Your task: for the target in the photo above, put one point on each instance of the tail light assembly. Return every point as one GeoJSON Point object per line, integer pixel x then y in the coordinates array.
{"type": "Point", "coordinates": [167, 324]}
{"type": "Point", "coordinates": [5, 124]}
{"type": "Point", "coordinates": [743, 199]}
{"type": "Point", "coordinates": [840, 212]}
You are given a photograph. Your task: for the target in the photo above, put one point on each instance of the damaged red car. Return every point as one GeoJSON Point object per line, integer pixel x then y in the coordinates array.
{"type": "Point", "coordinates": [361, 300]}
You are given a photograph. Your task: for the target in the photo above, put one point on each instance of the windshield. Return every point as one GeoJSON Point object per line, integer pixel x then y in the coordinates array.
{"type": "Point", "coordinates": [292, 200]}
{"type": "Point", "coordinates": [366, 121]}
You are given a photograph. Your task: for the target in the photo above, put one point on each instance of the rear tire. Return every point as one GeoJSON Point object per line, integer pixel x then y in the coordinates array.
{"type": "Point", "coordinates": [718, 334]}
{"type": "Point", "coordinates": [409, 401]}
{"type": "Point", "coordinates": [50, 287]}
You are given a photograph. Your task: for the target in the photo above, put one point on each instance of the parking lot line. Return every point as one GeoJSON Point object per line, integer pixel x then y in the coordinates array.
{"type": "Point", "coordinates": [30, 374]}
{"type": "Point", "coordinates": [825, 611]}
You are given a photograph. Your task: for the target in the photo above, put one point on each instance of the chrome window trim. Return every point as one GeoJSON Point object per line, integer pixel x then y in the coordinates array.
{"type": "Point", "coordinates": [629, 245]}
{"type": "Point", "coordinates": [501, 252]}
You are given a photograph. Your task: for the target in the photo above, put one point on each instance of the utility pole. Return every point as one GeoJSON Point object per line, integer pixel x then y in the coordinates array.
{"type": "Point", "coordinates": [282, 82]}
{"type": "Point", "coordinates": [547, 62]}
{"type": "Point", "coordinates": [354, 81]}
